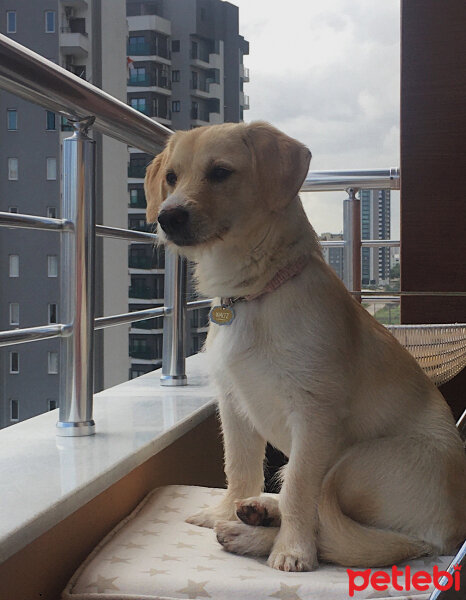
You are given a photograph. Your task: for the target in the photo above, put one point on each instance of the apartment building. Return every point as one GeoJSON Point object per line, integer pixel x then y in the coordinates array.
{"type": "Point", "coordinates": [375, 225]}
{"type": "Point", "coordinates": [333, 256]}
{"type": "Point", "coordinates": [185, 70]}
{"type": "Point", "coordinates": [88, 37]}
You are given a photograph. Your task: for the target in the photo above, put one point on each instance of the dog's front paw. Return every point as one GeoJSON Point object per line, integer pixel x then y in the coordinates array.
{"type": "Point", "coordinates": [293, 560]}
{"type": "Point", "coordinates": [209, 516]}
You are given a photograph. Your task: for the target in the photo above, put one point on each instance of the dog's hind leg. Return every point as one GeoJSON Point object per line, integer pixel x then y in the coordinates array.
{"type": "Point", "coordinates": [240, 538]}
{"type": "Point", "coordinates": [259, 510]}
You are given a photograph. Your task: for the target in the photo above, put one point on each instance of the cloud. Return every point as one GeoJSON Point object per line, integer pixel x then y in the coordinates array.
{"type": "Point", "coordinates": [327, 73]}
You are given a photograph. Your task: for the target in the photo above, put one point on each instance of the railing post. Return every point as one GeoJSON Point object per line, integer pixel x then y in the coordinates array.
{"type": "Point", "coordinates": [352, 237]}
{"type": "Point", "coordinates": [77, 284]}
{"type": "Point", "coordinates": [174, 323]}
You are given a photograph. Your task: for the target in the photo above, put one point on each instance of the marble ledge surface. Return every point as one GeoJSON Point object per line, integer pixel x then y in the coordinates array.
{"type": "Point", "coordinates": [45, 478]}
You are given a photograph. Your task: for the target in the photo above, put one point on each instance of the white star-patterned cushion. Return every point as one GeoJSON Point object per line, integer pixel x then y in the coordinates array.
{"type": "Point", "coordinates": [154, 555]}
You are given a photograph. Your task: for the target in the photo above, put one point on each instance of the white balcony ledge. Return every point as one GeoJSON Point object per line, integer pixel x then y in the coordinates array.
{"type": "Point", "coordinates": [44, 478]}
{"type": "Point", "coordinates": [76, 44]}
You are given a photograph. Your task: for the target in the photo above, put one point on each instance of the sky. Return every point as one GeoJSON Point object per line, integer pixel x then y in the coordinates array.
{"type": "Point", "coordinates": [327, 73]}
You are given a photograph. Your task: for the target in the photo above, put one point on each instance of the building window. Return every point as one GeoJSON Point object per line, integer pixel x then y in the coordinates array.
{"type": "Point", "coordinates": [13, 169]}
{"type": "Point", "coordinates": [176, 106]}
{"type": "Point", "coordinates": [52, 313]}
{"type": "Point", "coordinates": [50, 121]}
{"type": "Point", "coordinates": [11, 21]}
{"type": "Point", "coordinates": [137, 45]}
{"type": "Point", "coordinates": [13, 209]}
{"type": "Point", "coordinates": [14, 265]}
{"type": "Point", "coordinates": [49, 21]}
{"type": "Point", "coordinates": [53, 363]}
{"type": "Point", "coordinates": [138, 75]}
{"type": "Point", "coordinates": [175, 45]}
{"type": "Point", "coordinates": [12, 119]}
{"type": "Point", "coordinates": [52, 265]}
{"type": "Point", "coordinates": [14, 362]}
{"type": "Point", "coordinates": [175, 75]}
{"type": "Point", "coordinates": [52, 404]}
{"type": "Point", "coordinates": [139, 104]}
{"type": "Point", "coordinates": [194, 50]}
{"type": "Point", "coordinates": [14, 410]}
{"type": "Point", "coordinates": [51, 169]}
{"type": "Point", "coordinates": [51, 212]}
{"type": "Point", "coordinates": [14, 313]}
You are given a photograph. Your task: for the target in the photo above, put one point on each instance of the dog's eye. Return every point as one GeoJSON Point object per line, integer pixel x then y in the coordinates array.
{"type": "Point", "coordinates": [171, 178]}
{"type": "Point", "coordinates": [219, 174]}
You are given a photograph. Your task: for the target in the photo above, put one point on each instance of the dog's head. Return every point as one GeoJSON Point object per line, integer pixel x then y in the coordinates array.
{"type": "Point", "coordinates": [211, 182]}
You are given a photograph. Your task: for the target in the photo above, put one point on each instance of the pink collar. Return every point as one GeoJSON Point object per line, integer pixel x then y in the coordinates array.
{"type": "Point", "coordinates": [284, 275]}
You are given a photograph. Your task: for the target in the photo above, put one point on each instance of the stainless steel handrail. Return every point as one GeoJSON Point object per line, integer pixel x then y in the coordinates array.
{"type": "Point", "coordinates": [34, 78]}
{"type": "Point", "coordinates": [34, 334]}
{"type": "Point", "coordinates": [21, 221]}
{"type": "Point", "coordinates": [326, 181]}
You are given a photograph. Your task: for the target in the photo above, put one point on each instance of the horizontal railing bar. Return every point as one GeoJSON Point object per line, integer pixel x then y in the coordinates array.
{"type": "Point", "coordinates": [125, 234]}
{"type": "Point", "coordinates": [380, 243]}
{"type": "Point", "coordinates": [377, 299]}
{"type": "Point", "coordinates": [430, 325]}
{"type": "Point", "coordinates": [324, 181]}
{"type": "Point", "coordinates": [34, 334]}
{"type": "Point", "coordinates": [332, 243]}
{"type": "Point", "coordinates": [36, 79]}
{"type": "Point", "coordinates": [137, 315]}
{"type": "Point", "coordinates": [18, 220]}
{"type": "Point", "coordinates": [380, 293]}
{"type": "Point", "coordinates": [195, 304]}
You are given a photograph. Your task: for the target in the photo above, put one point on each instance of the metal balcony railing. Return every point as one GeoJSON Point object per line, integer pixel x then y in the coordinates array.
{"type": "Point", "coordinates": [38, 80]}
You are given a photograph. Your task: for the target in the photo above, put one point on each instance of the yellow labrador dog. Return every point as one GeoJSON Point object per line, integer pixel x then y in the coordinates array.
{"type": "Point", "coordinates": [377, 471]}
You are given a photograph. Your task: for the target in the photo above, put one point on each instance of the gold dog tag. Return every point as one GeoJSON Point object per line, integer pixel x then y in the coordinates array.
{"type": "Point", "coordinates": [221, 315]}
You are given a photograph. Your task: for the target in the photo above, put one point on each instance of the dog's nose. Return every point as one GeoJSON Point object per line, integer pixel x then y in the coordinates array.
{"type": "Point", "coordinates": [173, 220]}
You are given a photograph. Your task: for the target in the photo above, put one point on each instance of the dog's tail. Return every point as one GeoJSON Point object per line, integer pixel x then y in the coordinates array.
{"type": "Point", "coordinates": [346, 542]}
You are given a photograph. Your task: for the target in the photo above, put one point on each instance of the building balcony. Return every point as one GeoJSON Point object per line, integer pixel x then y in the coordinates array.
{"type": "Point", "coordinates": [140, 202]}
{"type": "Point", "coordinates": [244, 100]}
{"type": "Point", "coordinates": [142, 262]}
{"type": "Point", "coordinates": [142, 292]}
{"type": "Point", "coordinates": [202, 90]}
{"type": "Point", "coordinates": [150, 52]}
{"type": "Point", "coordinates": [149, 23]}
{"type": "Point", "coordinates": [244, 73]}
{"type": "Point", "coordinates": [143, 353]}
{"type": "Point", "coordinates": [200, 115]}
{"type": "Point", "coordinates": [136, 171]}
{"type": "Point", "coordinates": [79, 4]}
{"type": "Point", "coordinates": [75, 44]}
{"type": "Point", "coordinates": [149, 325]}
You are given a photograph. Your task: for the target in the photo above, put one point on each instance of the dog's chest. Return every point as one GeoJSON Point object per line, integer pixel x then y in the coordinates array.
{"type": "Point", "coordinates": [245, 360]}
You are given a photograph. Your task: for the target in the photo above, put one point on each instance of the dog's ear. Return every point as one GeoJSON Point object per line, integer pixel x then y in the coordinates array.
{"type": "Point", "coordinates": [155, 186]}
{"type": "Point", "coordinates": [281, 163]}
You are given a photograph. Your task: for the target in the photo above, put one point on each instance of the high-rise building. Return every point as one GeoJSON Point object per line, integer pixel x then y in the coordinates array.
{"type": "Point", "coordinates": [88, 37]}
{"type": "Point", "coordinates": [375, 225]}
{"type": "Point", "coordinates": [333, 256]}
{"type": "Point", "coordinates": [185, 70]}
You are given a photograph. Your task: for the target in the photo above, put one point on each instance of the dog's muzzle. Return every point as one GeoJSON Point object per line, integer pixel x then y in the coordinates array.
{"type": "Point", "coordinates": [176, 224]}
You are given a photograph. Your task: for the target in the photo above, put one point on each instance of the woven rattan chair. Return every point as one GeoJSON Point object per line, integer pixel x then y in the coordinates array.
{"type": "Point", "coordinates": [439, 349]}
